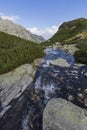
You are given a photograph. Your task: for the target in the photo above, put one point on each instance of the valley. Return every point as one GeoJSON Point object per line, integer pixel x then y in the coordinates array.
{"type": "Point", "coordinates": [35, 77]}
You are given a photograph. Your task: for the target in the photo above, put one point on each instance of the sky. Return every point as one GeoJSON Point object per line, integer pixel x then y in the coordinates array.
{"type": "Point", "coordinates": [42, 17]}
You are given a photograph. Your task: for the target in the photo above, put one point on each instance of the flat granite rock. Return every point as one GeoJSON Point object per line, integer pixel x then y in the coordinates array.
{"type": "Point", "coordinates": [60, 62]}
{"type": "Point", "coordinates": [13, 84]}
{"type": "Point", "coordinates": [60, 114]}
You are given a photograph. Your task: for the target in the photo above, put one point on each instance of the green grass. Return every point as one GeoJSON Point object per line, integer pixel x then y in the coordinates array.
{"type": "Point", "coordinates": [15, 51]}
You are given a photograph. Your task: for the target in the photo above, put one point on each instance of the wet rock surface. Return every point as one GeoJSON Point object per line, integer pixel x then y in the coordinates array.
{"type": "Point", "coordinates": [13, 117]}
{"type": "Point", "coordinates": [25, 112]}
{"type": "Point", "coordinates": [12, 100]}
{"type": "Point", "coordinates": [13, 84]}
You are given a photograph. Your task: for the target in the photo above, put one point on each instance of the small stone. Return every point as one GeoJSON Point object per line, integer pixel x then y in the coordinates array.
{"type": "Point", "coordinates": [80, 95]}
{"type": "Point", "coordinates": [70, 98]}
{"type": "Point", "coordinates": [79, 89]}
{"type": "Point", "coordinates": [69, 87]}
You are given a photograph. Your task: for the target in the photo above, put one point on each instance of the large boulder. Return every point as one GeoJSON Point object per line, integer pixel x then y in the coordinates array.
{"type": "Point", "coordinates": [60, 114]}
{"type": "Point", "coordinates": [13, 84]}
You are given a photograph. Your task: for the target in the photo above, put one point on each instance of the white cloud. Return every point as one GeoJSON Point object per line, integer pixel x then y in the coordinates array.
{"type": "Point", "coordinates": [12, 18]}
{"type": "Point", "coordinates": [46, 33]}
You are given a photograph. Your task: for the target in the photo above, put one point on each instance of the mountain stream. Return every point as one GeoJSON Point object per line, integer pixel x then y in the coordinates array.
{"type": "Point", "coordinates": [54, 81]}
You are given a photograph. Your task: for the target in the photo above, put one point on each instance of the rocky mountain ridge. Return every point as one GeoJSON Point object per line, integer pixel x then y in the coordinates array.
{"type": "Point", "coordinates": [11, 28]}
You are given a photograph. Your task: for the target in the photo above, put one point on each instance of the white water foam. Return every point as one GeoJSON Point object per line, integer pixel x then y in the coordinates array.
{"type": "Point", "coordinates": [49, 90]}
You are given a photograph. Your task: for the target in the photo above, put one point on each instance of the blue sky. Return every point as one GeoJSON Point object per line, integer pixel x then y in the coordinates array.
{"type": "Point", "coordinates": [42, 16]}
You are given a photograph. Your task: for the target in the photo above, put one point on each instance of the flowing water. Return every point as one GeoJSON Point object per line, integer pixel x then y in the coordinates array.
{"type": "Point", "coordinates": [54, 81]}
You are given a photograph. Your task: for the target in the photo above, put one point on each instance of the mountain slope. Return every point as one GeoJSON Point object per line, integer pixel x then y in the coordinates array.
{"type": "Point", "coordinates": [15, 51]}
{"type": "Point", "coordinates": [70, 32]}
{"type": "Point", "coordinates": [11, 28]}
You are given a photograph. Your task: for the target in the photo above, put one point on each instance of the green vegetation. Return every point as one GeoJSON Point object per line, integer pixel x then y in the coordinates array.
{"type": "Point", "coordinates": [72, 32]}
{"type": "Point", "coordinates": [81, 54]}
{"type": "Point", "coordinates": [69, 32]}
{"type": "Point", "coordinates": [15, 51]}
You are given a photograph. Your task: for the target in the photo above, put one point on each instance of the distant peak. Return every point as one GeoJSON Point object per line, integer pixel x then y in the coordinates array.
{"type": "Point", "coordinates": [12, 28]}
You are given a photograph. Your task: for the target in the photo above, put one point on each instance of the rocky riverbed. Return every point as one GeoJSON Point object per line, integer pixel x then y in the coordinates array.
{"type": "Point", "coordinates": [57, 76]}
{"type": "Point", "coordinates": [53, 79]}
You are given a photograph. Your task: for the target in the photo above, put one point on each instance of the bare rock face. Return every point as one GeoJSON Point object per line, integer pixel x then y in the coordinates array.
{"type": "Point", "coordinates": [60, 114]}
{"type": "Point", "coordinates": [13, 84]}
{"type": "Point", "coordinates": [11, 28]}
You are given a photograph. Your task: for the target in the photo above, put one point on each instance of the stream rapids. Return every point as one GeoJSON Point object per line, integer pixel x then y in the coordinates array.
{"type": "Point", "coordinates": [53, 81]}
